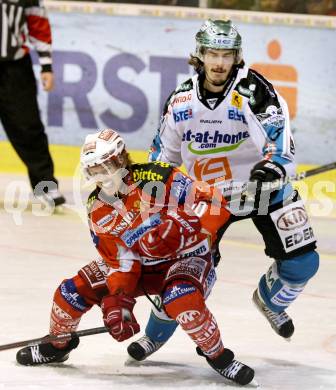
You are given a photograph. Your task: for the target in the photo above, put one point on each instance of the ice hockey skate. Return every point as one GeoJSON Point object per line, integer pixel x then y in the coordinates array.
{"type": "Point", "coordinates": [45, 353]}
{"type": "Point", "coordinates": [280, 322]}
{"type": "Point", "coordinates": [51, 197]}
{"type": "Point", "coordinates": [229, 368]}
{"type": "Point", "coordinates": [140, 350]}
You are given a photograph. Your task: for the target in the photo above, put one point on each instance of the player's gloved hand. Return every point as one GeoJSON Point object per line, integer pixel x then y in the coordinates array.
{"type": "Point", "coordinates": [118, 316]}
{"type": "Point", "coordinates": [169, 237]}
{"type": "Point", "coordinates": [266, 171]}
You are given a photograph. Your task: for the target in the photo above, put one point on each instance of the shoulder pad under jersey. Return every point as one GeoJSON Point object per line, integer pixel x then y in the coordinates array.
{"type": "Point", "coordinates": [184, 87]}
{"type": "Point", "coordinates": [100, 198]}
{"type": "Point", "coordinates": [91, 199]}
{"type": "Point", "coordinates": [152, 171]}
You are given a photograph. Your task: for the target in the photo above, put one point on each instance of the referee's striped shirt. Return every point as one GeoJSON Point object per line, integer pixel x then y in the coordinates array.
{"type": "Point", "coordinates": [22, 20]}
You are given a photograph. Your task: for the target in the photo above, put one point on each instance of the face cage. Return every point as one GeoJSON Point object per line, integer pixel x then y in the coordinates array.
{"type": "Point", "coordinates": [103, 172]}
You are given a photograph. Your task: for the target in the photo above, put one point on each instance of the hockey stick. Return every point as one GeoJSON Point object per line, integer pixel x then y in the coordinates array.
{"type": "Point", "coordinates": [50, 338]}
{"type": "Point", "coordinates": [314, 171]}
{"type": "Point", "coordinates": [277, 184]}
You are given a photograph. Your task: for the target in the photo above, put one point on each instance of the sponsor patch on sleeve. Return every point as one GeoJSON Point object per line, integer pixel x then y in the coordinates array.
{"type": "Point", "coordinates": [180, 187]}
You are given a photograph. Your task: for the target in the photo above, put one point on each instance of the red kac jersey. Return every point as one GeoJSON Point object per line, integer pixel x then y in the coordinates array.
{"type": "Point", "coordinates": [164, 217]}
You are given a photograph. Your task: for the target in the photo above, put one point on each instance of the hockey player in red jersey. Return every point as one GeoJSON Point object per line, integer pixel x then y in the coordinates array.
{"type": "Point", "coordinates": [154, 228]}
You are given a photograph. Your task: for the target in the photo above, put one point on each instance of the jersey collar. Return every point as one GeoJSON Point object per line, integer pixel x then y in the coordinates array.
{"type": "Point", "coordinates": [212, 100]}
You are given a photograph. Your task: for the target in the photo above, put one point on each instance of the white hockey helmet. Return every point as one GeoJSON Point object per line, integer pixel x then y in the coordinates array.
{"type": "Point", "coordinates": [102, 159]}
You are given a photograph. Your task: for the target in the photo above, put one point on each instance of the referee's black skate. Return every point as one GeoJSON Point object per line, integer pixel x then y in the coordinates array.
{"type": "Point", "coordinates": [45, 353]}
{"type": "Point", "coordinates": [229, 368]}
{"type": "Point", "coordinates": [142, 348]}
{"type": "Point", "coordinates": [56, 197]}
{"type": "Point", "coordinates": [280, 322]}
{"type": "Point", "coordinates": [52, 197]}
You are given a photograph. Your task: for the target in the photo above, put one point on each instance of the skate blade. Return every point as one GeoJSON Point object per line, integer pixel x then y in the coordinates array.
{"type": "Point", "coordinates": [47, 208]}
{"type": "Point", "coordinates": [130, 362]}
{"type": "Point", "coordinates": [59, 210]}
{"type": "Point", "coordinates": [254, 384]}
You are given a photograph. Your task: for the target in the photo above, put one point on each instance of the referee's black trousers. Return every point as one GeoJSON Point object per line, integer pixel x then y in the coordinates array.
{"type": "Point", "coordinates": [20, 117]}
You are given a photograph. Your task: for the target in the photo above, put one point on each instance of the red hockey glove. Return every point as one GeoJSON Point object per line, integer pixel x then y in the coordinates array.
{"type": "Point", "coordinates": [169, 237]}
{"type": "Point", "coordinates": [118, 316]}
{"type": "Point", "coordinates": [162, 241]}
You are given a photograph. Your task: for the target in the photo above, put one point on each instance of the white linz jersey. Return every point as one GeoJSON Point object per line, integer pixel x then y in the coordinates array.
{"type": "Point", "coordinates": [219, 138]}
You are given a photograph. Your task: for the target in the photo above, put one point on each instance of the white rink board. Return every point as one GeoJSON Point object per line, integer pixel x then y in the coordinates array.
{"type": "Point", "coordinates": [116, 71]}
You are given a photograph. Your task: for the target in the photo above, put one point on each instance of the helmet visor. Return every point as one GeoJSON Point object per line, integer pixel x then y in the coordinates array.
{"type": "Point", "coordinates": [213, 56]}
{"type": "Point", "coordinates": [100, 171]}
{"type": "Point", "coordinates": [107, 175]}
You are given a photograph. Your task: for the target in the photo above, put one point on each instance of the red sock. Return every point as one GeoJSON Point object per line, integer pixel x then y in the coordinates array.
{"type": "Point", "coordinates": [190, 311]}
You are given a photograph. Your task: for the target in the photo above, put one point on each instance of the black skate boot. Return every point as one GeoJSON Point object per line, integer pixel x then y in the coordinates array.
{"type": "Point", "coordinates": [45, 353]}
{"type": "Point", "coordinates": [144, 347]}
{"type": "Point", "coordinates": [50, 198]}
{"type": "Point", "coordinates": [56, 197]}
{"type": "Point", "coordinates": [280, 322]}
{"type": "Point", "coordinates": [229, 368]}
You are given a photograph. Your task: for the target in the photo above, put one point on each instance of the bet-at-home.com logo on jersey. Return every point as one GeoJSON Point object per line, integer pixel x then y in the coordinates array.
{"type": "Point", "coordinates": [204, 143]}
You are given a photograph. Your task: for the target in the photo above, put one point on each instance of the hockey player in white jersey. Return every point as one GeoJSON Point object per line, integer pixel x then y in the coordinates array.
{"type": "Point", "coordinates": [228, 125]}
